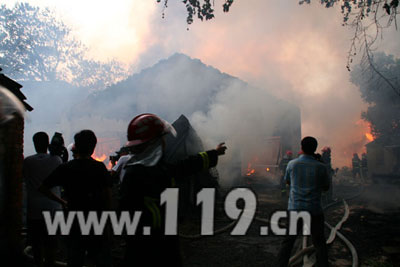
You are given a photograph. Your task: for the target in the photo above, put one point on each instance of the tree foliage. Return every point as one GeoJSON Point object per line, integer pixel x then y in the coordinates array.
{"type": "Point", "coordinates": [34, 45]}
{"type": "Point", "coordinates": [383, 112]}
{"type": "Point", "coordinates": [202, 8]}
{"type": "Point", "coordinates": [368, 19]}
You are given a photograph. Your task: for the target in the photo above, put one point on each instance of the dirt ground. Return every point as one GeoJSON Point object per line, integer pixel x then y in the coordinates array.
{"type": "Point", "coordinates": [373, 227]}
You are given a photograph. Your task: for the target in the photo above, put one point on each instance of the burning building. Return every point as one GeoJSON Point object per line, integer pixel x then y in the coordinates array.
{"type": "Point", "coordinates": [254, 123]}
{"type": "Point", "coordinates": [261, 161]}
{"type": "Point", "coordinates": [384, 160]}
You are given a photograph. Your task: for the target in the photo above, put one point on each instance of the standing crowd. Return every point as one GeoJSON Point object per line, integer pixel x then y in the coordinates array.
{"type": "Point", "coordinates": [84, 184]}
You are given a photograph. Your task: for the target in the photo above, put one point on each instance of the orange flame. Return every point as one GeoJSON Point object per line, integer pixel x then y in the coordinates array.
{"type": "Point", "coordinates": [370, 137]}
{"type": "Point", "coordinates": [267, 169]}
{"type": "Point", "coordinates": [251, 172]}
{"type": "Point", "coordinates": [101, 158]}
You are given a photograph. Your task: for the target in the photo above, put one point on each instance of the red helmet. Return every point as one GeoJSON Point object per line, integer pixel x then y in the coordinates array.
{"type": "Point", "coordinates": [326, 149]}
{"type": "Point", "coordinates": [146, 127]}
{"type": "Point", "coordinates": [300, 153]}
{"type": "Point", "coordinates": [289, 153]}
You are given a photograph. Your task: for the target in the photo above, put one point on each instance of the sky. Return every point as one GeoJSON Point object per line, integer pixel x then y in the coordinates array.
{"type": "Point", "coordinates": [296, 52]}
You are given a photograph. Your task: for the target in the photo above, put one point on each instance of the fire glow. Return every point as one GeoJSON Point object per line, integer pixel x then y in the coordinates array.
{"type": "Point", "coordinates": [250, 171]}
{"type": "Point", "coordinates": [103, 159]}
{"type": "Point", "coordinates": [366, 129]}
{"type": "Point", "coordinates": [370, 137]}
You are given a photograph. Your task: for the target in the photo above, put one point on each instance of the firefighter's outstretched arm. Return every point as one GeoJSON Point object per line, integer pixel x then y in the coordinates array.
{"type": "Point", "coordinates": [221, 149]}
{"type": "Point", "coordinates": [197, 163]}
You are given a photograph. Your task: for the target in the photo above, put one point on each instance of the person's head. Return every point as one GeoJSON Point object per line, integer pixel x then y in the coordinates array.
{"type": "Point", "coordinates": [85, 142]}
{"type": "Point", "coordinates": [309, 145]}
{"type": "Point", "coordinates": [56, 144]}
{"type": "Point", "coordinates": [146, 129]}
{"type": "Point", "coordinates": [41, 142]}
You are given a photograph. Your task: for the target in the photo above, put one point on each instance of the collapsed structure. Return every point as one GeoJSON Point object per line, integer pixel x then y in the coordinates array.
{"type": "Point", "coordinates": [187, 143]}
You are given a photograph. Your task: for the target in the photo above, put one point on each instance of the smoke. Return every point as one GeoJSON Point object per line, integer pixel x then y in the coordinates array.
{"type": "Point", "coordinates": [382, 198]}
{"type": "Point", "coordinates": [297, 53]}
{"type": "Point", "coordinates": [243, 117]}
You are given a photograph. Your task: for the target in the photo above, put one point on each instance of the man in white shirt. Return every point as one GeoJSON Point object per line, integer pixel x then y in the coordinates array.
{"type": "Point", "coordinates": [35, 169]}
{"type": "Point", "coordinates": [118, 171]}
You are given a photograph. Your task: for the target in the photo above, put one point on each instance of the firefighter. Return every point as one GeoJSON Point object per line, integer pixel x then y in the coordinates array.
{"type": "Point", "coordinates": [282, 167]}
{"type": "Point", "coordinates": [364, 165]}
{"type": "Point", "coordinates": [327, 160]}
{"type": "Point", "coordinates": [299, 153]}
{"type": "Point", "coordinates": [356, 163]}
{"type": "Point", "coordinates": [147, 176]}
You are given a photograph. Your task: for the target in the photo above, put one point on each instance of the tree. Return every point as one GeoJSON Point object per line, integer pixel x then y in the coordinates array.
{"type": "Point", "coordinates": [202, 8]}
{"type": "Point", "coordinates": [384, 111]}
{"type": "Point", "coordinates": [34, 45]}
{"type": "Point", "coordinates": [368, 19]}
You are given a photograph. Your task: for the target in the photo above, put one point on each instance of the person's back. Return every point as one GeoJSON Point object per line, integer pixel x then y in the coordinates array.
{"type": "Point", "coordinates": [308, 178]}
{"type": "Point", "coordinates": [87, 186]}
{"type": "Point", "coordinates": [84, 181]}
{"type": "Point", "coordinates": [36, 168]}
{"type": "Point", "coordinates": [146, 177]}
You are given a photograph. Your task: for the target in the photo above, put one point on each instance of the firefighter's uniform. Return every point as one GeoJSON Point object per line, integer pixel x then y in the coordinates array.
{"type": "Point", "coordinates": [282, 167]}
{"type": "Point", "coordinates": [327, 160]}
{"type": "Point", "coordinates": [356, 163]}
{"type": "Point", "coordinates": [141, 189]}
{"type": "Point", "coordinates": [364, 166]}
{"type": "Point", "coordinates": [147, 175]}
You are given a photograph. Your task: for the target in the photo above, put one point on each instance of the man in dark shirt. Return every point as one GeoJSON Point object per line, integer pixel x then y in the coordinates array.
{"type": "Point", "coordinates": [87, 187]}
{"type": "Point", "coordinates": [36, 168]}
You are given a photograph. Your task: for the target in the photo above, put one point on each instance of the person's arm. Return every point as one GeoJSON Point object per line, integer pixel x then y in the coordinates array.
{"type": "Point", "coordinates": [106, 182]}
{"type": "Point", "coordinates": [197, 163]}
{"type": "Point", "coordinates": [48, 193]}
{"type": "Point", "coordinates": [324, 176]}
{"type": "Point", "coordinates": [54, 179]}
{"type": "Point", "coordinates": [287, 174]}
{"type": "Point", "coordinates": [116, 170]}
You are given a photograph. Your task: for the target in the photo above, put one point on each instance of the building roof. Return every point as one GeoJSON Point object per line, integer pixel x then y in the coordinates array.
{"type": "Point", "coordinates": [15, 88]}
{"type": "Point", "coordinates": [385, 141]}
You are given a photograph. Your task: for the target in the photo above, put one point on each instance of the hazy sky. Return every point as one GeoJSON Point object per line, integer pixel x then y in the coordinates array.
{"type": "Point", "coordinates": [296, 52]}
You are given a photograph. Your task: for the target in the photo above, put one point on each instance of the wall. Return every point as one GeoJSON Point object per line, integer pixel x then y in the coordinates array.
{"type": "Point", "coordinates": [11, 158]}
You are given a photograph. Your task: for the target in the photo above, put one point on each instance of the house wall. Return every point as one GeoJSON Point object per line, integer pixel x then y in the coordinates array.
{"type": "Point", "coordinates": [11, 158]}
{"type": "Point", "coordinates": [381, 160]}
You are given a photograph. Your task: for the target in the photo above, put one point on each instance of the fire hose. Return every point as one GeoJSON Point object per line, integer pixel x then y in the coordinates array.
{"type": "Point", "coordinates": [306, 250]}
{"type": "Point", "coordinates": [294, 259]}
{"type": "Point", "coordinates": [219, 231]}
{"type": "Point", "coordinates": [28, 249]}
{"type": "Point", "coordinates": [334, 231]}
